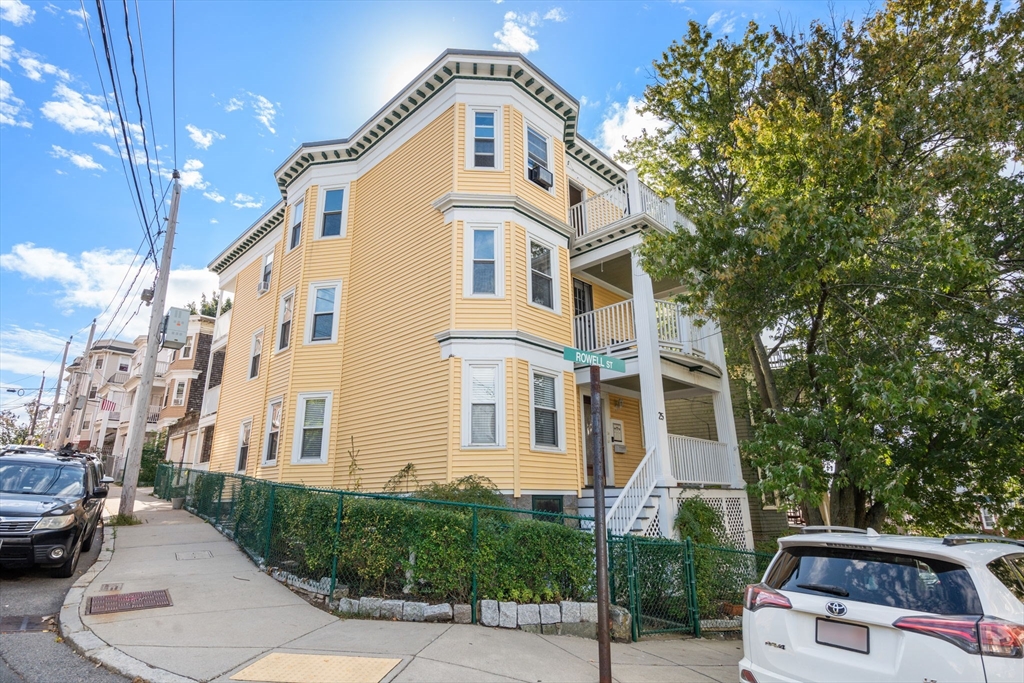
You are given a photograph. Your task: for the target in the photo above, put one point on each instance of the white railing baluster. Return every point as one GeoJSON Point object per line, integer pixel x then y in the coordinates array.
{"type": "Point", "coordinates": [699, 461]}
{"type": "Point", "coordinates": [634, 496]}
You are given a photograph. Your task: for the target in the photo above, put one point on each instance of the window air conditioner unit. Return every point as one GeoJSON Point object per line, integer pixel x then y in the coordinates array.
{"type": "Point", "coordinates": [542, 177]}
{"type": "Point", "coordinates": [262, 287]}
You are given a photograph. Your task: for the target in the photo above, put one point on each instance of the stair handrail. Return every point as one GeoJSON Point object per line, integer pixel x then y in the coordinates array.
{"type": "Point", "coordinates": [638, 489]}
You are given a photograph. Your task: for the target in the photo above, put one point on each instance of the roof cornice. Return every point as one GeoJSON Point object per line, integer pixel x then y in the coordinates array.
{"type": "Point", "coordinates": [468, 200]}
{"type": "Point", "coordinates": [253, 234]}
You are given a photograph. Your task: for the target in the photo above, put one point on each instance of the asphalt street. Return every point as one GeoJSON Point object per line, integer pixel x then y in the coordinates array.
{"type": "Point", "coordinates": [40, 657]}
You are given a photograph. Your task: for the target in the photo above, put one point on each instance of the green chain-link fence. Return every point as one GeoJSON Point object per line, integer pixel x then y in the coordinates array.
{"type": "Point", "coordinates": [349, 544]}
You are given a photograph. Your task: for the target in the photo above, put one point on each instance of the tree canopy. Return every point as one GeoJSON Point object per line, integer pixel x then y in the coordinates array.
{"type": "Point", "coordinates": [858, 197]}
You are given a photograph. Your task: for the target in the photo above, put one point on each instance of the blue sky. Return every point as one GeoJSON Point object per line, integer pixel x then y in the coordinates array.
{"type": "Point", "coordinates": [253, 81]}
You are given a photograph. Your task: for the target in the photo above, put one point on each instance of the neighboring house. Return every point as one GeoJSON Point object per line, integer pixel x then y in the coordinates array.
{"type": "Point", "coordinates": [184, 385]}
{"type": "Point", "coordinates": [409, 299]}
{"type": "Point", "coordinates": [130, 389]}
{"type": "Point", "coordinates": [95, 396]}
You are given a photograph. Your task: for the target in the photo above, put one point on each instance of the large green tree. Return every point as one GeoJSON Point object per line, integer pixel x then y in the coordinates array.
{"type": "Point", "coordinates": [859, 205]}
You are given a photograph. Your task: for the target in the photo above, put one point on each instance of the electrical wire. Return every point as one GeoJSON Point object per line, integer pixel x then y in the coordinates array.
{"type": "Point", "coordinates": [174, 78]}
{"type": "Point", "coordinates": [149, 103]}
{"type": "Point", "coordinates": [138, 104]}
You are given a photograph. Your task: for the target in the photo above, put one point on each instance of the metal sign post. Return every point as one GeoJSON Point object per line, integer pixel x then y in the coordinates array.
{"type": "Point", "coordinates": [596, 363]}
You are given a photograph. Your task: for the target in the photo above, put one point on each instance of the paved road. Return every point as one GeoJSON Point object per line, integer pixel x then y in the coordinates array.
{"type": "Point", "coordinates": [39, 657]}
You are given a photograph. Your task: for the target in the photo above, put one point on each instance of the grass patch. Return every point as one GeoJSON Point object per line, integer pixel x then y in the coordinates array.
{"type": "Point", "coordinates": [123, 520]}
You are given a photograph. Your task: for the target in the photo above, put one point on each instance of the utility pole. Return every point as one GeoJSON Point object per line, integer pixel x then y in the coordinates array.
{"type": "Point", "coordinates": [50, 436]}
{"type": "Point", "coordinates": [137, 426]}
{"type": "Point", "coordinates": [35, 413]}
{"type": "Point", "coordinates": [69, 412]}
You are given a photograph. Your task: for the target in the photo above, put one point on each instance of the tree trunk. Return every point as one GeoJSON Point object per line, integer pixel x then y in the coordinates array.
{"type": "Point", "coordinates": [769, 377]}
{"type": "Point", "coordinates": [762, 387]}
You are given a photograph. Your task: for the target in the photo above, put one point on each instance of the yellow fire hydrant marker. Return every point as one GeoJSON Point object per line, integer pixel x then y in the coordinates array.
{"type": "Point", "coordinates": [283, 667]}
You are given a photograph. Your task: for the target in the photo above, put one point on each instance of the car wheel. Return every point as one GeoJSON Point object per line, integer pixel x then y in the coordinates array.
{"type": "Point", "coordinates": [67, 570]}
{"type": "Point", "coordinates": [87, 543]}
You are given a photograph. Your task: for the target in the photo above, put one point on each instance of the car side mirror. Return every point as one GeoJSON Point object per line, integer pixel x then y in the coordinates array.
{"type": "Point", "coordinates": [99, 492]}
{"type": "Point", "coordinates": [107, 480]}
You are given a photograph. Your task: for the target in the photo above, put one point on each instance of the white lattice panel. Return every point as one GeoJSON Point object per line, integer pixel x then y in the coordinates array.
{"type": "Point", "coordinates": [731, 512]}
{"type": "Point", "coordinates": [653, 528]}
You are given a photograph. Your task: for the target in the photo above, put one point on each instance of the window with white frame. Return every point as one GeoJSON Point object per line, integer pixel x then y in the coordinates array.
{"type": "Point", "coordinates": [268, 270]}
{"type": "Point", "coordinates": [322, 312]}
{"type": "Point", "coordinates": [179, 394]}
{"type": "Point", "coordinates": [545, 410]}
{"type": "Point", "coordinates": [99, 363]}
{"type": "Point", "coordinates": [541, 275]}
{"type": "Point", "coordinates": [988, 520]}
{"type": "Point", "coordinates": [254, 355]}
{"type": "Point", "coordinates": [186, 351]}
{"type": "Point", "coordinates": [244, 437]}
{"type": "Point", "coordinates": [122, 366]}
{"type": "Point", "coordinates": [296, 232]}
{"type": "Point", "coordinates": [483, 412]}
{"type": "Point", "coordinates": [312, 427]}
{"type": "Point", "coordinates": [484, 139]}
{"type": "Point", "coordinates": [271, 442]}
{"type": "Point", "coordinates": [536, 148]}
{"type": "Point", "coordinates": [332, 224]}
{"type": "Point", "coordinates": [484, 262]}
{"type": "Point", "coordinates": [284, 330]}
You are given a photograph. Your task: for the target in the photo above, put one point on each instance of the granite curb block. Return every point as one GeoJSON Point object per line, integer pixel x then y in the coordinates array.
{"type": "Point", "coordinates": [81, 638]}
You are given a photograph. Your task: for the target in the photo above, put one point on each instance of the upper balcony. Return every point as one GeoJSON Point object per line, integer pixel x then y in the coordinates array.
{"type": "Point", "coordinates": [627, 207]}
{"type": "Point", "coordinates": [221, 327]}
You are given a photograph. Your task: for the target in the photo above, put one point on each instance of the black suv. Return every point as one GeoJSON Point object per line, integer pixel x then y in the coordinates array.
{"type": "Point", "coordinates": [50, 504]}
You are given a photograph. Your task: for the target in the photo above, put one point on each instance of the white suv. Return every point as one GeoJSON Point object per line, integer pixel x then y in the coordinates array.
{"type": "Point", "coordinates": [852, 605]}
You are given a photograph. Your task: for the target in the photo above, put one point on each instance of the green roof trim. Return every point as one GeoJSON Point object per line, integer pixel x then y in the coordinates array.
{"type": "Point", "coordinates": [256, 233]}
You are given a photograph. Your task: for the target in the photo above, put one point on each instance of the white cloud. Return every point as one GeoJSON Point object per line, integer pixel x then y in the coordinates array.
{"type": "Point", "coordinates": [10, 107]}
{"type": "Point", "coordinates": [234, 104]}
{"type": "Point", "coordinates": [244, 201]}
{"type": "Point", "coordinates": [202, 138]}
{"type": "Point", "coordinates": [52, 8]}
{"type": "Point", "coordinates": [60, 172]}
{"type": "Point", "coordinates": [90, 280]}
{"type": "Point", "coordinates": [34, 69]}
{"type": "Point", "coordinates": [6, 53]}
{"type": "Point", "coordinates": [106, 149]}
{"type": "Point", "coordinates": [76, 112]}
{"type": "Point", "coordinates": [516, 34]}
{"type": "Point", "coordinates": [79, 13]}
{"type": "Point", "coordinates": [16, 12]}
{"type": "Point", "coordinates": [556, 14]}
{"type": "Point", "coordinates": [623, 121]}
{"type": "Point", "coordinates": [77, 158]}
{"type": "Point", "coordinates": [191, 175]}
{"type": "Point", "coordinates": [214, 221]}
{"type": "Point", "coordinates": [265, 111]}
{"type": "Point", "coordinates": [215, 196]}
{"type": "Point", "coordinates": [727, 21]}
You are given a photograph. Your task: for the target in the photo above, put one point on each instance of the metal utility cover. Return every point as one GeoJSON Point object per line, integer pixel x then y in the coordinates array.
{"type": "Point", "coordinates": [282, 667]}
{"type": "Point", "coordinates": [126, 602]}
{"type": "Point", "coordinates": [194, 555]}
{"type": "Point", "coordinates": [22, 624]}
{"type": "Point", "coordinates": [111, 587]}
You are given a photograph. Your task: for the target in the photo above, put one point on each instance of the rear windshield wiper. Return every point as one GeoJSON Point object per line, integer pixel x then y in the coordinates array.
{"type": "Point", "coordinates": [824, 588]}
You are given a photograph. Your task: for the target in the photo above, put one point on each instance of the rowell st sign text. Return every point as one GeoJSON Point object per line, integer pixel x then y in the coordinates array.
{"type": "Point", "coordinates": [587, 358]}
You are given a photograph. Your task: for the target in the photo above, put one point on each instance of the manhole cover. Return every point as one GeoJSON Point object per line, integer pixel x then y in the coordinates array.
{"type": "Point", "coordinates": [194, 555]}
{"type": "Point", "coordinates": [125, 602]}
{"type": "Point", "coordinates": [111, 587]}
{"type": "Point", "coordinates": [281, 667]}
{"type": "Point", "coordinates": [21, 624]}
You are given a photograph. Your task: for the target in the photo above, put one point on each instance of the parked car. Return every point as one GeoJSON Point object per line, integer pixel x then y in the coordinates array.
{"type": "Point", "coordinates": [856, 605]}
{"type": "Point", "coordinates": [50, 505]}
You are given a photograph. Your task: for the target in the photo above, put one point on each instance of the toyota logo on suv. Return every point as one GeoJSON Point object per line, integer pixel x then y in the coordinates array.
{"type": "Point", "coordinates": [835, 608]}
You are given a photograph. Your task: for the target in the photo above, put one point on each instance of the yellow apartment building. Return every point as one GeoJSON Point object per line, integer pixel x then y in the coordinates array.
{"type": "Point", "coordinates": [409, 298]}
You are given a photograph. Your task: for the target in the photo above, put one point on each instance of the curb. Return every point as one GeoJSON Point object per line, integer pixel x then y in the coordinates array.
{"type": "Point", "coordinates": [81, 638]}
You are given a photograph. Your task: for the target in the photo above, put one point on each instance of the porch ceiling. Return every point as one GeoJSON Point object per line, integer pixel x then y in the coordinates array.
{"type": "Point", "coordinates": [618, 272]}
{"type": "Point", "coordinates": [669, 385]}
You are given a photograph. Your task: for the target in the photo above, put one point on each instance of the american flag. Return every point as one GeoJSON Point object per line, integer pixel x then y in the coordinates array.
{"type": "Point", "coordinates": [108, 405]}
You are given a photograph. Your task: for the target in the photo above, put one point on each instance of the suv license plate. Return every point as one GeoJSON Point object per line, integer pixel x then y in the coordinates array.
{"type": "Point", "coordinates": [842, 635]}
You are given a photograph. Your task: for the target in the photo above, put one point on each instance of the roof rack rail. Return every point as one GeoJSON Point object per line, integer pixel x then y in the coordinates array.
{"type": "Point", "coordinates": [825, 529]}
{"type": "Point", "coordinates": [962, 539]}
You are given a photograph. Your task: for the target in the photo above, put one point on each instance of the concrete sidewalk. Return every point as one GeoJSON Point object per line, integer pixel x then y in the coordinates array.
{"type": "Point", "coordinates": [226, 615]}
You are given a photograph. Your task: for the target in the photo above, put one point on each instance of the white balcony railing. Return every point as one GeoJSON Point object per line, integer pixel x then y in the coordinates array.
{"type": "Point", "coordinates": [161, 369]}
{"type": "Point", "coordinates": [220, 328]}
{"type": "Point", "coordinates": [598, 212]}
{"type": "Point", "coordinates": [210, 400]}
{"type": "Point", "coordinates": [699, 461]}
{"type": "Point", "coordinates": [634, 496]}
{"type": "Point", "coordinates": [612, 328]}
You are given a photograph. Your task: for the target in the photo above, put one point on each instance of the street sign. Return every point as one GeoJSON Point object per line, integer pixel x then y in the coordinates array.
{"type": "Point", "coordinates": [588, 358]}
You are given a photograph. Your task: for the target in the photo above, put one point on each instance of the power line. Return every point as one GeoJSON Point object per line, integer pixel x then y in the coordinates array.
{"type": "Point", "coordinates": [149, 103]}
{"type": "Point", "coordinates": [174, 78]}
{"type": "Point", "coordinates": [138, 103]}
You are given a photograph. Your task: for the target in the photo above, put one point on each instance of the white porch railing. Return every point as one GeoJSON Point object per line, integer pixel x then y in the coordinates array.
{"type": "Point", "coordinates": [612, 205]}
{"type": "Point", "coordinates": [613, 327]}
{"type": "Point", "coordinates": [221, 327]}
{"type": "Point", "coordinates": [676, 329]}
{"type": "Point", "coordinates": [161, 369]}
{"type": "Point", "coordinates": [699, 461]}
{"type": "Point", "coordinates": [210, 401]}
{"type": "Point", "coordinates": [634, 496]}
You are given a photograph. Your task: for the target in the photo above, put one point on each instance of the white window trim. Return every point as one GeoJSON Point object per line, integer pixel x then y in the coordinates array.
{"type": "Point", "coordinates": [559, 406]}
{"type": "Point", "coordinates": [300, 418]}
{"type": "Point", "coordinates": [188, 345]}
{"type": "Point", "coordinates": [499, 260]}
{"type": "Point", "coordinates": [556, 287]}
{"type": "Point", "coordinates": [280, 316]}
{"type": "Point", "coordinates": [318, 226]}
{"type": "Point", "coordinates": [238, 445]}
{"type": "Point", "coordinates": [307, 335]}
{"type": "Point", "coordinates": [288, 237]}
{"type": "Point", "coordinates": [175, 401]}
{"type": "Point", "coordinates": [499, 139]}
{"type": "Point", "coordinates": [252, 352]}
{"type": "Point", "coordinates": [267, 258]}
{"type": "Point", "coordinates": [264, 462]}
{"type": "Point", "coordinates": [526, 156]}
{"type": "Point", "coordinates": [467, 402]}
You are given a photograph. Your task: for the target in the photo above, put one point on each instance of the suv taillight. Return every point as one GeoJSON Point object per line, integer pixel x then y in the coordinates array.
{"type": "Point", "coordinates": [1001, 638]}
{"type": "Point", "coordinates": [962, 631]}
{"type": "Point", "coordinates": [760, 595]}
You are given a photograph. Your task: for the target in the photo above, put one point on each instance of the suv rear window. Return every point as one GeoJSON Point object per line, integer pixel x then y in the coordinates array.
{"type": "Point", "coordinates": [922, 584]}
{"type": "Point", "coordinates": [1009, 569]}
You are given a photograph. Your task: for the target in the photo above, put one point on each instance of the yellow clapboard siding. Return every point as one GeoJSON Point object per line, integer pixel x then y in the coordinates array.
{"type": "Point", "coordinates": [629, 413]}
{"type": "Point", "coordinates": [483, 181]}
{"type": "Point", "coordinates": [556, 326]}
{"type": "Point", "coordinates": [605, 297]}
{"type": "Point", "coordinates": [556, 203]}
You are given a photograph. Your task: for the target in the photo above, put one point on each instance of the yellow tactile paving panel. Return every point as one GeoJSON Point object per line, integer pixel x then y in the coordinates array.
{"type": "Point", "coordinates": [283, 667]}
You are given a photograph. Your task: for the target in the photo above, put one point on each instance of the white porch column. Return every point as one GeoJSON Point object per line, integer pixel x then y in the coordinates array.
{"type": "Point", "coordinates": [652, 393]}
{"type": "Point", "coordinates": [722, 402]}
{"type": "Point", "coordinates": [633, 190]}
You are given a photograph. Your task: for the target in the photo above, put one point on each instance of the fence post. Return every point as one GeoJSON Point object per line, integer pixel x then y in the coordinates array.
{"type": "Point", "coordinates": [691, 585]}
{"type": "Point", "coordinates": [220, 498]}
{"type": "Point", "coordinates": [337, 532]}
{"type": "Point", "coordinates": [472, 588]}
{"type": "Point", "coordinates": [269, 526]}
{"type": "Point", "coordinates": [633, 586]}
{"type": "Point", "coordinates": [611, 568]}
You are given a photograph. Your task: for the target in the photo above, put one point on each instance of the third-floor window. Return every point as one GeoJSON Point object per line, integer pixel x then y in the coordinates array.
{"type": "Point", "coordinates": [334, 204]}
{"type": "Point", "coordinates": [483, 261]}
{"type": "Point", "coordinates": [483, 139]}
{"type": "Point", "coordinates": [296, 232]}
